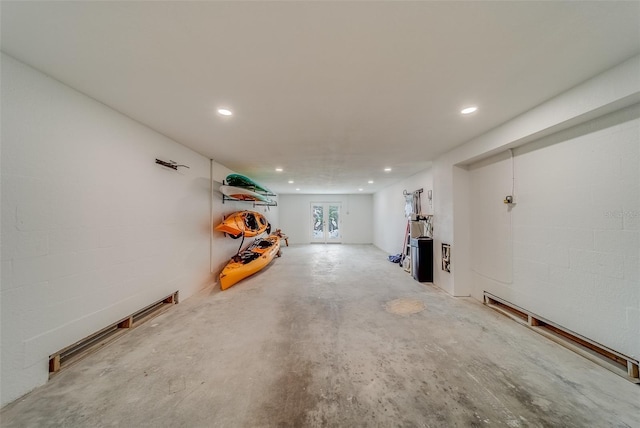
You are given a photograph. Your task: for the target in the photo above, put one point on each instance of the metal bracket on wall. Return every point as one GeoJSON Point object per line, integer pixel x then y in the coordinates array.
{"type": "Point", "coordinates": [255, 204]}
{"type": "Point", "coordinates": [171, 164]}
{"type": "Point", "coordinates": [405, 193]}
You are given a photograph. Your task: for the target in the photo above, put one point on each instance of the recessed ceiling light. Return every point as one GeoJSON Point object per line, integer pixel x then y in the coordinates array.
{"type": "Point", "coordinates": [387, 169]}
{"type": "Point", "coordinates": [469, 110]}
{"type": "Point", "coordinates": [225, 112]}
{"type": "Point", "coordinates": [360, 190]}
{"type": "Point", "coordinates": [297, 188]}
{"type": "Point", "coordinates": [279, 169]}
{"type": "Point", "coordinates": [290, 181]}
{"type": "Point", "coordinates": [370, 181]}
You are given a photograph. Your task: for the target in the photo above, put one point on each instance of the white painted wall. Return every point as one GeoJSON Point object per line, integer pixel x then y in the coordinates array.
{"type": "Point", "coordinates": [295, 220]}
{"type": "Point", "coordinates": [565, 258]}
{"type": "Point", "coordinates": [610, 91]}
{"type": "Point", "coordinates": [92, 229]}
{"type": "Point", "coordinates": [569, 250]}
{"type": "Point", "coordinates": [389, 221]}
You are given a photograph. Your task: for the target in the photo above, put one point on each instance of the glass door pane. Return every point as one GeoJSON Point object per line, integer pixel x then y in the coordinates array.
{"type": "Point", "coordinates": [317, 222]}
{"type": "Point", "coordinates": [325, 222]}
{"type": "Point", "coordinates": [334, 223]}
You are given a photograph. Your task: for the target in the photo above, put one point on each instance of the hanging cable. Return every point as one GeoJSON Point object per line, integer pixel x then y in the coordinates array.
{"type": "Point", "coordinates": [513, 175]}
{"type": "Point", "coordinates": [241, 242]}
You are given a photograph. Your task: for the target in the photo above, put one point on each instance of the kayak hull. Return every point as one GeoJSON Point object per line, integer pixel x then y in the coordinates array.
{"type": "Point", "coordinates": [250, 261]}
{"type": "Point", "coordinates": [240, 180]}
{"type": "Point", "coordinates": [242, 194]}
{"type": "Point", "coordinates": [247, 223]}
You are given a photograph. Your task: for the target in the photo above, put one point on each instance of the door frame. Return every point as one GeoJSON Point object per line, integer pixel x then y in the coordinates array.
{"type": "Point", "coordinates": [325, 207]}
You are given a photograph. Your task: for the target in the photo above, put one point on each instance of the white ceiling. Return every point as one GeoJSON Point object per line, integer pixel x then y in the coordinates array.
{"type": "Point", "coordinates": [331, 91]}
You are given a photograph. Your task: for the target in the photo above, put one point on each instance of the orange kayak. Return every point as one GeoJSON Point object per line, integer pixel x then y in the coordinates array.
{"type": "Point", "coordinates": [249, 261]}
{"type": "Point", "coordinates": [247, 223]}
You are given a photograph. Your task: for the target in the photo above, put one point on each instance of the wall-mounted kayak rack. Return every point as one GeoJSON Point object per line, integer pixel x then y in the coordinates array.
{"type": "Point", "coordinates": [238, 187]}
{"type": "Point", "coordinates": [255, 203]}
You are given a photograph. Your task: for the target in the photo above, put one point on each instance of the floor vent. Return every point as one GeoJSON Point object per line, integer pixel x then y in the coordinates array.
{"type": "Point", "coordinates": [92, 343]}
{"type": "Point", "coordinates": [618, 363]}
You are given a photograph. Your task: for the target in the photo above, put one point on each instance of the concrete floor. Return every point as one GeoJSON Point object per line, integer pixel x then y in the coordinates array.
{"type": "Point", "coordinates": [320, 339]}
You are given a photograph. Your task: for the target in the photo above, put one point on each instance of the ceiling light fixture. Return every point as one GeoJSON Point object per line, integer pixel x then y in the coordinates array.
{"type": "Point", "coordinates": [370, 181]}
{"type": "Point", "coordinates": [290, 181]}
{"type": "Point", "coordinates": [225, 112]}
{"type": "Point", "coordinates": [469, 110]}
{"type": "Point", "coordinates": [297, 189]}
{"type": "Point", "coordinates": [278, 169]}
{"type": "Point", "coordinates": [360, 190]}
{"type": "Point", "coordinates": [387, 169]}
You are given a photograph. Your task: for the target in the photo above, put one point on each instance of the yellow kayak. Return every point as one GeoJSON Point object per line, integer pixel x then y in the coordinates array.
{"type": "Point", "coordinates": [249, 223]}
{"type": "Point", "coordinates": [249, 261]}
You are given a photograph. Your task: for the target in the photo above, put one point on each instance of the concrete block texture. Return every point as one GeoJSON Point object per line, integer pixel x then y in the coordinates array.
{"type": "Point", "coordinates": [575, 245]}
{"type": "Point", "coordinates": [92, 229]}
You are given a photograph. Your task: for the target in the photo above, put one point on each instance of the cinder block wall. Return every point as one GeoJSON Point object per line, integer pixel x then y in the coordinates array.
{"type": "Point", "coordinates": [92, 229]}
{"type": "Point", "coordinates": [610, 91]}
{"type": "Point", "coordinates": [569, 250]}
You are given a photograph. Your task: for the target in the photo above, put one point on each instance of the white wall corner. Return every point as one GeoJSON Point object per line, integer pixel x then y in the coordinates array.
{"type": "Point", "coordinates": [610, 91]}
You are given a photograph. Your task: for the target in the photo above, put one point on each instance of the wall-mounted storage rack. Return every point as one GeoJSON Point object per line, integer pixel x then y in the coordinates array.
{"type": "Point", "coordinates": [250, 198]}
{"type": "Point", "coordinates": [405, 193]}
{"type": "Point", "coordinates": [255, 203]}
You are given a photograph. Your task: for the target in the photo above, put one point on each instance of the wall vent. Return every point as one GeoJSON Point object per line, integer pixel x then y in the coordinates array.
{"type": "Point", "coordinates": [92, 343]}
{"type": "Point", "coordinates": [618, 363]}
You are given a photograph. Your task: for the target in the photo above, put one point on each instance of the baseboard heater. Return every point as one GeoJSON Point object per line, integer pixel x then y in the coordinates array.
{"type": "Point", "coordinates": [92, 343]}
{"type": "Point", "coordinates": [618, 363]}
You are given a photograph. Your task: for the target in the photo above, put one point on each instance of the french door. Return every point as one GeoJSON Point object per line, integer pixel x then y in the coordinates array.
{"type": "Point", "coordinates": [326, 222]}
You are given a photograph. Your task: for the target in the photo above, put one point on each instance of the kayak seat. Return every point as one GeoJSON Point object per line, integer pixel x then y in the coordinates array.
{"type": "Point", "coordinates": [247, 257]}
{"type": "Point", "coordinates": [264, 244]}
{"type": "Point", "coordinates": [251, 222]}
